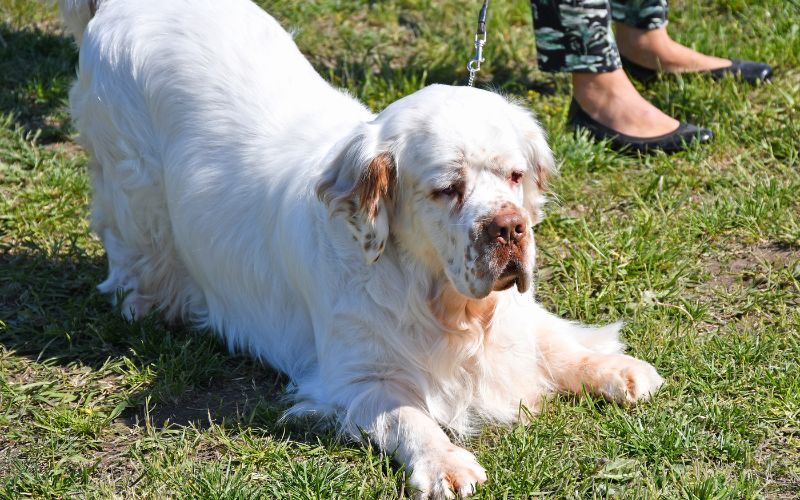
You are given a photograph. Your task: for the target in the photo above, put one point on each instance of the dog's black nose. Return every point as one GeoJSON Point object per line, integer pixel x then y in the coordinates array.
{"type": "Point", "coordinates": [508, 227]}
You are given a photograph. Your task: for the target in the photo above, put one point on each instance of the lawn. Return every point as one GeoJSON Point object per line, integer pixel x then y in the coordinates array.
{"type": "Point", "coordinates": [699, 253]}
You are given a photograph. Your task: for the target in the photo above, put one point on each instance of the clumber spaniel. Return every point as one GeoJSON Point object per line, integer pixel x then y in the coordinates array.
{"type": "Point", "coordinates": [382, 261]}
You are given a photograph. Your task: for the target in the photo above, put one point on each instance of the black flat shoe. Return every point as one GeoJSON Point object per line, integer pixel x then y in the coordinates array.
{"type": "Point", "coordinates": [672, 142]}
{"type": "Point", "coordinates": [747, 71]}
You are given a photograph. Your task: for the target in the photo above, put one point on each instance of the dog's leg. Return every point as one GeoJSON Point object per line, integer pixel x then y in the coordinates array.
{"type": "Point", "coordinates": [122, 279]}
{"type": "Point", "coordinates": [575, 358]}
{"type": "Point", "coordinates": [439, 469]}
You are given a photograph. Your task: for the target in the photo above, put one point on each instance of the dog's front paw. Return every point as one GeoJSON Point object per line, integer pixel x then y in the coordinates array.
{"type": "Point", "coordinates": [446, 473]}
{"type": "Point", "coordinates": [136, 306]}
{"type": "Point", "coordinates": [627, 380]}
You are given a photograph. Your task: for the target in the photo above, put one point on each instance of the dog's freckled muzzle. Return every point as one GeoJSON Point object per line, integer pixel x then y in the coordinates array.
{"type": "Point", "coordinates": [502, 245]}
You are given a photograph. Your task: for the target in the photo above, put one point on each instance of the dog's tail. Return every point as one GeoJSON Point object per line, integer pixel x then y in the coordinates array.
{"type": "Point", "coordinates": [76, 14]}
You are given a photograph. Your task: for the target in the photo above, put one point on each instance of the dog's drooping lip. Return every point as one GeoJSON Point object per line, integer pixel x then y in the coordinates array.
{"type": "Point", "coordinates": [504, 282]}
{"type": "Point", "coordinates": [513, 274]}
{"type": "Point", "coordinates": [510, 259]}
{"type": "Point", "coordinates": [501, 264]}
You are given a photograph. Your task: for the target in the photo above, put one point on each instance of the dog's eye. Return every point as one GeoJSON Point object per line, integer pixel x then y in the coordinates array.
{"type": "Point", "coordinates": [516, 177]}
{"type": "Point", "coordinates": [450, 191]}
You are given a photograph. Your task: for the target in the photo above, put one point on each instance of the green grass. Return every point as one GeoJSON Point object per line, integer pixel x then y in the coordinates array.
{"type": "Point", "coordinates": [699, 253]}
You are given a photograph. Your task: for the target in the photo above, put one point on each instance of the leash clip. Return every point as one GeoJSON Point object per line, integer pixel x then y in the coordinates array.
{"type": "Point", "coordinates": [474, 65]}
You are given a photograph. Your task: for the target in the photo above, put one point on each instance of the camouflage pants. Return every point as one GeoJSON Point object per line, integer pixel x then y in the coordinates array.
{"type": "Point", "coordinates": [576, 35]}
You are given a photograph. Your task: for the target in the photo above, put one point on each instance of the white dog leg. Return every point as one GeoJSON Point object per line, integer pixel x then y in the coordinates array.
{"type": "Point", "coordinates": [122, 278]}
{"type": "Point", "coordinates": [439, 469]}
{"type": "Point", "coordinates": [571, 363]}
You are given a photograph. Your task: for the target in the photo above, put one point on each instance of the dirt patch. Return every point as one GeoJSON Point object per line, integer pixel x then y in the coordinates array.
{"type": "Point", "coordinates": [112, 458]}
{"type": "Point", "coordinates": [732, 271]}
{"type": "Point", "coordinates": [778, 456]}
{"type": "Point", "coordinates": [749, 264]}
{"type": "Point", "coordinates": [18, 371]}
{"type": "Point", "coordinates": [9, 455]}
{"type": "Point", "coordinates": [65, 148]}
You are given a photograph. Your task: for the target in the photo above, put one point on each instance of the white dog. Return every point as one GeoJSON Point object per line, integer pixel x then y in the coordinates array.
{"type": "Point", "coordinates": [382, 261]}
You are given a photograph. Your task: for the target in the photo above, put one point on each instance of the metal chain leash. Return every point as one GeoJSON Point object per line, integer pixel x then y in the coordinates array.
{"type": "Point", "coordinates": [474, 65]}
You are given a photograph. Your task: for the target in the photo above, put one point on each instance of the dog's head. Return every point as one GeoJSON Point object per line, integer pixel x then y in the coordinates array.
{"type": "Point", "coordinates": [454, 176]}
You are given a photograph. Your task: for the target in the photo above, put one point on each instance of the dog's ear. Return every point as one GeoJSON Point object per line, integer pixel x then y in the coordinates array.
{"type": "Point", "coordinates": [359, 184]}
{"type": "Point", "coordinates": [541, 166]}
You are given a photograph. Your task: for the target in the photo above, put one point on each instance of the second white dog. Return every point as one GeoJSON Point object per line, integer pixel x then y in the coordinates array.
{"type": "Point", "coordinates": [382, 262]}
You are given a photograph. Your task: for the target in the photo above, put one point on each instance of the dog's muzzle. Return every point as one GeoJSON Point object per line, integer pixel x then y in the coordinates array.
{"type": "Point", "coordinates": [506, 240]}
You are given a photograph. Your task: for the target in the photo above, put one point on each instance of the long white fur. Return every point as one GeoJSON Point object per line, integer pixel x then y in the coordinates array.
{"type": "Point", "coordinates": [211, 135]}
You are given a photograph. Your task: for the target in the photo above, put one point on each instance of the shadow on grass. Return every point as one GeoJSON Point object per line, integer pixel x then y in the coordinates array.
{"type": "Point", "coordinates": [36, 70]}
{"type": "Point", "coordinates": [51, 313]}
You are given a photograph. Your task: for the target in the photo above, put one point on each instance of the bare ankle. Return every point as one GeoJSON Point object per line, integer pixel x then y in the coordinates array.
{"type": "Point", "coordinates": [611, 99]}
{"type": "Point", "coordinates": [594, 90]}
{"type": "Point", "coordinates": [654, 49]}
{"type": "Point", "coordinates": [645, 47]}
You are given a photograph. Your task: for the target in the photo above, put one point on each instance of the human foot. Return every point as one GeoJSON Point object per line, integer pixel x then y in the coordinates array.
{"type": "Point", "coordinates": [655, 50]}
{"type": "Point", "coordinates": [672, 142]}
{"type": "Point", "coordinates": [609, 107]}
{"type": "Point", "coordinates": [611, 99]}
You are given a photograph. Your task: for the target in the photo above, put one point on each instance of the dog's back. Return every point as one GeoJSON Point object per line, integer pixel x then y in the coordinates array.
{"type": "Point", "coordinates": [188, 133]}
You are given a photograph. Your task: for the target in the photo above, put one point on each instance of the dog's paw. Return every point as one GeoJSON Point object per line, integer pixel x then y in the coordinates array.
{"type": "Point", "coordinates": [446, 473]}
{"type": "Point", "coordinates": [136, 306]}
{"type": "Point", "coordinates": [627, 380]}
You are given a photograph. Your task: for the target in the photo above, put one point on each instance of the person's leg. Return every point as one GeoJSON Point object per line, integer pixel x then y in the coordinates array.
{"type": "Point", "coordinates": [576, 36]}
{"type": "Point", "coordinates": [641, 35]}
